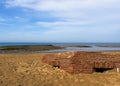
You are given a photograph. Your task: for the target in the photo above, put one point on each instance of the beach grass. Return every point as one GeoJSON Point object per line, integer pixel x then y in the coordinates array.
{"type": "Point", "coordinates": [28, 70]}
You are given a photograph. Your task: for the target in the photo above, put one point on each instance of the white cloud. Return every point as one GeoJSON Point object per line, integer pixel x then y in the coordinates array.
{"type": "Point", "coordinates": [2, 19]}
{"type": "Point", "coordinates": [70, 9]}
{"type": "Point", "coordinates": [63, 24]}
{"type": "Point", "coordinates": [57, 5]}
{"type": "Point", "coordinates": [20, 19]}
{"type": "Point", "coordinates": [96, 20]}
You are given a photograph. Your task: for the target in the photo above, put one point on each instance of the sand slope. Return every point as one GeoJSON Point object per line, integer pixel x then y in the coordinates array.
{"type": "Point", "coordinates": [28, 70]}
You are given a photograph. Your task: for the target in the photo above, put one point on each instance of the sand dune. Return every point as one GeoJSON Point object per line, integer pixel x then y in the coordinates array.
{"type": "Point", "coordinates": [28, 70]}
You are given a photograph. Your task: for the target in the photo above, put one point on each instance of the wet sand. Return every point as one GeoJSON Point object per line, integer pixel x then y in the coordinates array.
{"type": "Point", "coordinates": [76, 48]}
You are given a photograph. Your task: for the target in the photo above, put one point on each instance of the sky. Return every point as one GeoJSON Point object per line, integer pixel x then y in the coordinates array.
{"type": "Point", "coordinates": [59, 20]}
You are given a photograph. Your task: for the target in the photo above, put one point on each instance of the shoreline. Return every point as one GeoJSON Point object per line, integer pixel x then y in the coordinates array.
{"type": "Point", "coordinates": [55, 49]}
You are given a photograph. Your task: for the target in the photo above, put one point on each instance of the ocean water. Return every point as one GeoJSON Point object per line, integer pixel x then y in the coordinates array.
{"type": "Point", "coordinates": [57, 44]}
{"type": "Point", "coordinates": [71, 46]}
{"type": "Point", "coordinates": [21, 43]}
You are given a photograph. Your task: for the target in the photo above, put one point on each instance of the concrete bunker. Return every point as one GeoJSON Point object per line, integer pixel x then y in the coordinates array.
{"type": "Point", "coordinates": [102, 70]}
{"type": "Point", "coordinates": [83, 62]}
{"type": "Point", "coordinates": [55, 66]}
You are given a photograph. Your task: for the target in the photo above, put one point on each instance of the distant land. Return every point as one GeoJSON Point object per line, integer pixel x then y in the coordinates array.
{"type": "Point", "coordinates": [15, 47]}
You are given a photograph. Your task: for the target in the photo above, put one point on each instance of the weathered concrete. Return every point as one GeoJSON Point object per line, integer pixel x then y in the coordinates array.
{"type": "Point", "coordinates": [83, 62]}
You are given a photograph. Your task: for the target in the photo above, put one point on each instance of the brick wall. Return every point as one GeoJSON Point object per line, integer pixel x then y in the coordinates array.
{"type": "Point", "coordinates": [81, 62]}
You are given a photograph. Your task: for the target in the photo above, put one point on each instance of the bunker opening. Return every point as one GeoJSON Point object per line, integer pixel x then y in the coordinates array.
{"type": "Point", "coordinates": [102, 70]}
{"type": "Point", "coordinates": [56, 66]}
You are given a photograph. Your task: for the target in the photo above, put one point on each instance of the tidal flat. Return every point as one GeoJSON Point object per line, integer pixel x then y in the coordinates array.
{"type": "Point", "coordinates": [27, 48]}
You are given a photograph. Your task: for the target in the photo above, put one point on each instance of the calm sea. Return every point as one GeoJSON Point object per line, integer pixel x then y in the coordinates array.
{"type": "Point", "coordinates": [71, 46]}
{"type": "Point", "coordinates": [57, 44]}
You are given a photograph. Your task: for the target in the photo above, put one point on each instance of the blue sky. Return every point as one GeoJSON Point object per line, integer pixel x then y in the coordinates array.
{"type": "Point", "coordinates": [60, 21]}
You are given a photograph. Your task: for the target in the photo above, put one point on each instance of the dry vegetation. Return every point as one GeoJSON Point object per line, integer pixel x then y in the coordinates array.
{"type": "Point", "coordinates": [28, 70]}
{"type": "Point", "coordinates": [27, 48]}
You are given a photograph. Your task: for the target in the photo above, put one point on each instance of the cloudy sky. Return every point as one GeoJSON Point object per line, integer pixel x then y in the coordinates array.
{"type": "Point", "coordinates": [59, 20]}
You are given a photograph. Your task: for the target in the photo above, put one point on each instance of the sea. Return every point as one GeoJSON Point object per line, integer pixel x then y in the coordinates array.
{"type": "Point", "coordinates": [70, 46]}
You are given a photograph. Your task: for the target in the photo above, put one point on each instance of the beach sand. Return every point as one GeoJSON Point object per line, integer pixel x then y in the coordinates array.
{"type": "Point", "coordinates": [28, 70]}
